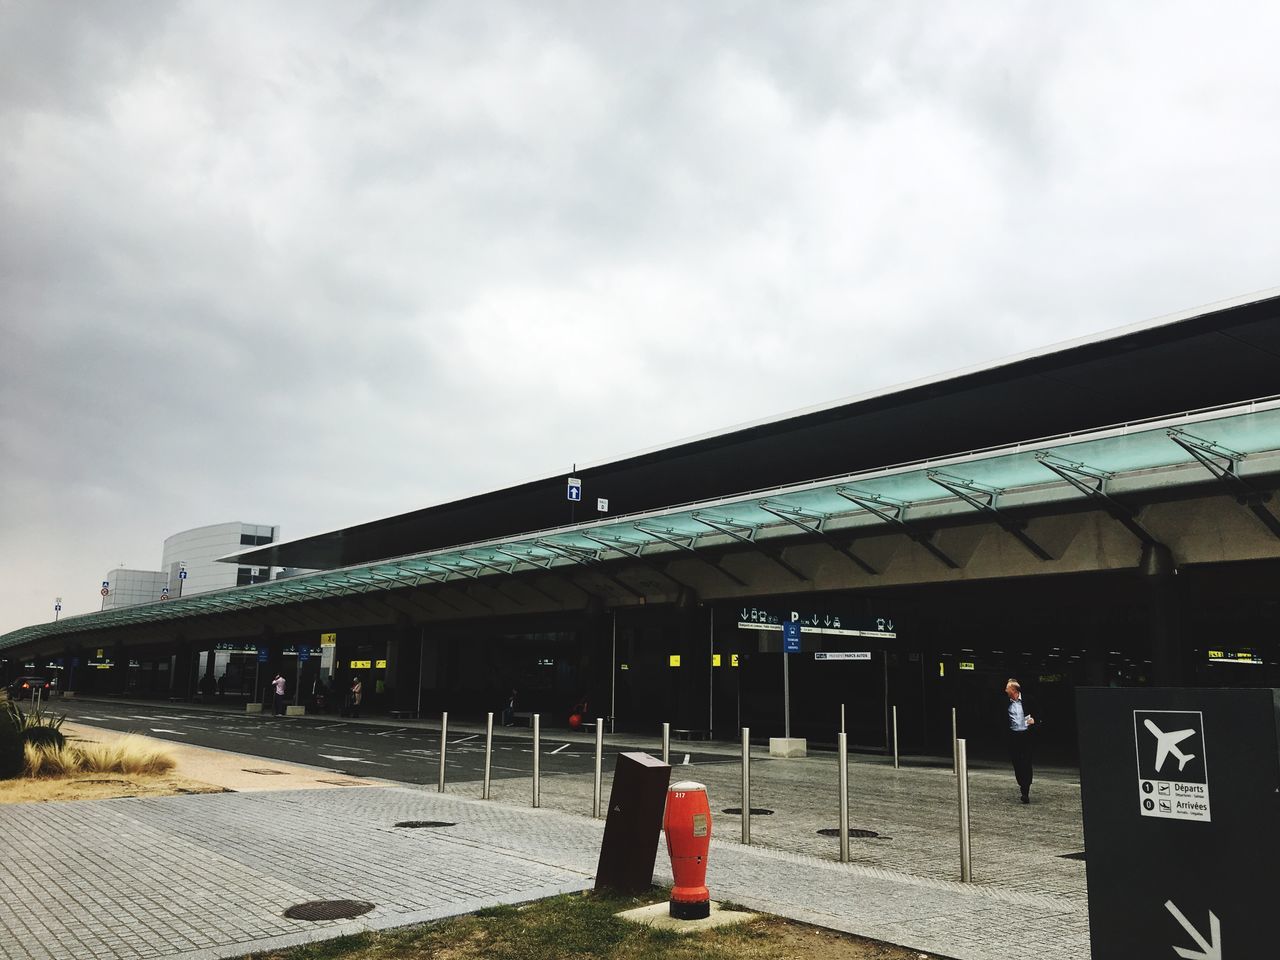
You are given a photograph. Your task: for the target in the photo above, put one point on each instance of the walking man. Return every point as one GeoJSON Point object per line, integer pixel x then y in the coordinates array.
{"type": "Point", "coordinates": [1019, 733]}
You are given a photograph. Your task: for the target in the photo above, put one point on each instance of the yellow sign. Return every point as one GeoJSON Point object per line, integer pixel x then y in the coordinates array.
{"type": "Point", "coordinates": [715, 659]}
{"type": "Point", "coordinates": [328, 639]}
{"type": "Point", "coordinates": [99, 653]}
{"type": "Point", "coordinates": [966, 664]}
{"type": "Point", "coordinates": [942, 669]}
{"type": "Point", "coordinates": [361, 664]}
{"type": "Point", "coordinates": [674, 659]}
{"type": "Point", "coordinates": [733, 659]}
{"type": "Point", "coordinates": [380, 664]}
{"type": "Point", "coordinates": [624, 666]}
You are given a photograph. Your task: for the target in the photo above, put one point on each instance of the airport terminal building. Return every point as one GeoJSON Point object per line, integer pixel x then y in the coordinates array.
{"type": "Point", "coordinates": [1098, 513]}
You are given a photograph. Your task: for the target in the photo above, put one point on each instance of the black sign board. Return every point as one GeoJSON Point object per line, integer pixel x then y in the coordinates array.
{"type": "Point", "coordinates": [633, 825]}
{"type": "Point", "coordinates": [1181, 797]}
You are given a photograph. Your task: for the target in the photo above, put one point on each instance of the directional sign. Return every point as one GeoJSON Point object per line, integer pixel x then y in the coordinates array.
{"type": "Point", "coordinates": [574, 491]}
{"type": "Point", "coordinates": [842, 655]}
{"type": "Point", "coordinates": [826, 623]}
{"type": "Point", "coordinates": [791, 637]}
{"type": "Point", "coordinates": [263, 654]}
{"type": "Point", "coordinates": [182, 574]}
{"type": "Point", "coordinates": [1169, 872]}
{"type": "Point", "coordinates": [106, 584]}
{"type": "Point", "coordinates": [303, 654]}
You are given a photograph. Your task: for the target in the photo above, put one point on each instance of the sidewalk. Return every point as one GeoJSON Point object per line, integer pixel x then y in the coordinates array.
{"type": "Point", "coordinates": [202, 877]}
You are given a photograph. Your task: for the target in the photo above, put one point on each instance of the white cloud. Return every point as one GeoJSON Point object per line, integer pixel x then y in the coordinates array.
{"type": "Point", "coordinates": [312, 264]}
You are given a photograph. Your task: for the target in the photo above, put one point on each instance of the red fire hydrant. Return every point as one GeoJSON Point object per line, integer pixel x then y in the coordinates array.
{"type": "Point", "coordinates": [687, 823]}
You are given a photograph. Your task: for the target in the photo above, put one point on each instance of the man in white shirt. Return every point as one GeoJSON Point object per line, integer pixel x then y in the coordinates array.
{"type": "Point", "coordinates": [1019, 726]}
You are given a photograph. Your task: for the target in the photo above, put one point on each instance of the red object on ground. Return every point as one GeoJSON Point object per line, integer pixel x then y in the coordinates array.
{"type": "Point", "coordinates": [687, 823]}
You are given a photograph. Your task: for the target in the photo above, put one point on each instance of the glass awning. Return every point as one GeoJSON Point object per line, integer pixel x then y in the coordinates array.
{"type": "Point", "coordinates": [1243, 440]}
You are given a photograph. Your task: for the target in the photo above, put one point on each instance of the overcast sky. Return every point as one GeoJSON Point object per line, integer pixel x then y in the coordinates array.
{"type": "Point", "coordinates": [311, 264]}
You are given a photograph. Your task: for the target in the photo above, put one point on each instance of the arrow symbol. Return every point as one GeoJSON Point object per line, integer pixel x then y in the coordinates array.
{"type": "Point", "coordinates": [1210, 949]}
{"type": "Point", "coordinates": [744, 614]}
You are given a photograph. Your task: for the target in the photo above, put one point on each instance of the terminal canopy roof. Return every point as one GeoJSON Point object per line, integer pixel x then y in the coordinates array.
{"type": "Point", "coordinates": [1202, 358]}
{"type": "Point", "coordinates": [1235, 445]}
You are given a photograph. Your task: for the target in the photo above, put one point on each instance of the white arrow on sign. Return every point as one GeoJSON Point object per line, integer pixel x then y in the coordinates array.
{"type": "Point", "coordinates": [1210, 949]}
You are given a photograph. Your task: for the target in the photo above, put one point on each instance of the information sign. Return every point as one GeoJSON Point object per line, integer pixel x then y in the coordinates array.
{"type": "Point", "coordinates": [791, 637]}
{"type": "Point", "coordinates": [573, 489]}
{"type": "Point", "coordinates": [328, 639]}
{"type": "Point", "coordinates": [842, 655]}
{"type": "Point", "coordinates": [1169, 872]}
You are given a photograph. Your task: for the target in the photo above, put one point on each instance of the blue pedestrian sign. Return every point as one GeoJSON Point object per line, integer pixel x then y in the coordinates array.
{"type": "Point", "coordinates": [263, 653]}
{"type": "Point", "coordinates": [182, 574]}
{"type": "Point", "coordinates": [791, 637]}
{"type": "Point", "coordinates": [575, 489]}
{"type": "Point", "coordinates": [303, 654]}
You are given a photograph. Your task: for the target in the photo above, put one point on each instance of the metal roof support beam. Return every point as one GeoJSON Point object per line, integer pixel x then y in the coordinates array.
{"type": "Point", "coordinates": [984, 499]}
{"type": "Point", "coordinates": [812, 523]}
{"type": "Point", "coordinates": [543, 563]}
{"type": "Point", "coordinates": [895, 513]}
{"type": "Point", "coordinates": [688, 545]}
{"type": "Point", "coordinates": [635, 551]}
{"type": "Point", "coordinates": [731, 528]}
{"type": "Point", "coordinates": [1224, 464]}
{"type": "Point", "coordinates": [508, 569]}
{"type": "Point", "coordinates": [1092, 482]}
{"type": "Point", "coordinates": [588, 558]}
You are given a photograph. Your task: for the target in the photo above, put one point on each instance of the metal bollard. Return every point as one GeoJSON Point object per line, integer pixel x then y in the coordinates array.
{"type": "Point", "coordinates": [444, 732]}
{"type": "Point", "coordinates": [488, 755]}
{"type": "Point", "coordinates": [746, 785]}
{"type": "Point", "coordinates": [666, 743]}
{"type": "Point", "coordinates": [842, 730]}
{"type": "Point", "coordinates": [595, 794]}
{"type": "Point", "coordinates": [962, 789]}
{"type": "Point", "coordinates": [895, 736]}
{"type": "Point", "coordinates": [537, 746]}
{"type": "Point", "coordinates": [955, 739]}
{"type": "Point", "coordinates": [842, 742]}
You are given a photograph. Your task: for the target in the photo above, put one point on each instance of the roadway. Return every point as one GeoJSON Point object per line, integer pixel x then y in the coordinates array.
{"type": "Point", "coordinates": [406, 752]}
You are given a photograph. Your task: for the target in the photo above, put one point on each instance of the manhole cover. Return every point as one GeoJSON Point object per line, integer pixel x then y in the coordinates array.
{"type": "Point", "coordinates": [328, 910]}
{"type": "Point", "coordinates": [264, 771]}
{"type": "Point", "coordinates": [417, 824]}
{"type": "Point", "coordinates": [1071, 856]}
{"type": "Point", "coordinates": [755, 811]}
{"type": "Point", "coordinates": [854, 832]}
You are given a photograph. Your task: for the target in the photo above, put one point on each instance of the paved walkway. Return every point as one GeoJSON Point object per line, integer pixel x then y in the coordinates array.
{"type": "Point", "coordinates": [210, 876]}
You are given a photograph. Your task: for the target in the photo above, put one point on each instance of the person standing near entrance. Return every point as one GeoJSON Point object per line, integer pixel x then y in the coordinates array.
{"type": "Point", "coordinates": [1019, 724]}
{"type": "Point", "coordinates": [357, 694]}
{"type": "Point", "coordinates": [278, 684]}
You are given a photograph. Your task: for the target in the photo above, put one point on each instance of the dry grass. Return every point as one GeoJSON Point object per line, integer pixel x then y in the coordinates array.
{"type": "Point", "coordinates": [130, 754]}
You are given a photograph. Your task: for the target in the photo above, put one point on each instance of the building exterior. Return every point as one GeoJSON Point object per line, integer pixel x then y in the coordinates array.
{"type": "Point", "coordinates": [129, 587]}
{"type": "Point", "coordinates": [1097, 513]}
{"type": "Point", "coordinates": [199, 550]}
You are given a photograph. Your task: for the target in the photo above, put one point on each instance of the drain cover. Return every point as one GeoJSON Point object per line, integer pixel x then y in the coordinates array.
{"type": "Point", "coordinates": [1071, 856]}
{"type": "Point", "coordinates": [416, 824]}
{"type": "Point", "coordinates": [265, 771]}
{"type": "Point", "coordinates": [755, 811]}
{"type": "Point", "coordinates": [328, 910]}
{"type": "Point", "coordinates": [853, 832]}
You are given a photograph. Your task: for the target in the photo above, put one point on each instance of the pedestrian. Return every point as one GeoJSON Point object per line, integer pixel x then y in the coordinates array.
{"type": "Point", "coordinates": [317, 694]}
{"type": "Point", "coordinates": [357, 694]}
{"type": "Point", "coordinates": [509, 711]}
{"type": "Point", "coordinates": [279, 684]}
{"type": "Point", "coordinates": [1018, 727]}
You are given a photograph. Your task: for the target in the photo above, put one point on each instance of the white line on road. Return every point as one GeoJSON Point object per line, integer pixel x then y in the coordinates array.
{"type": "Point", "coordinates": [285, 740]}
{"type": "Point", "coordinates": [686, 762]}
{"type": "Point", "coordinates": [511, 769]}
{"type": "Point", "coordinates": [176, 733]}
{"type": "Point", "coordinates": [343, 746]}
{"type": "Point", "coordinates": [559, 748]}
{"type": "Point", "coordinates": [465, 739]}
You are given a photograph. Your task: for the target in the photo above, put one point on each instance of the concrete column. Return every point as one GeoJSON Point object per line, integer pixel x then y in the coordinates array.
{"type": "Point", "coordinates": [692, 677]}
{"type": "Point", "coordinates": [404, 662]}
{"type": "Point", "coordinates": [1159, 585]}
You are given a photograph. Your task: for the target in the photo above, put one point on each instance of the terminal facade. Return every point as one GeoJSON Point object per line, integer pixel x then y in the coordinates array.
{"type": "Point", "coordinates": [1098, 513]}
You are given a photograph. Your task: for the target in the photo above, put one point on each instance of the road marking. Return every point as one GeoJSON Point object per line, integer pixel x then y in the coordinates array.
{"type": "Point", "coordinates": [286, 740]}
{"type": "Point", "coordinates": [559, 748]}
{"type": "Point", "coordinates": [465, 739]}
{"type": "Point", "coordinates": [343, 746]}
{"type": "Point", "coordinates": [686, 760]}
{"type": "Point", "coordinates": [328, 756]}
{"type": "Point", "coordinates": [391, 733]}
{"type": "Point", "coordinates": [176, 733]}
{"type": "Point", "coordinates": [510, 769]}
{"type": "Point", "coordinates": [194, 727]}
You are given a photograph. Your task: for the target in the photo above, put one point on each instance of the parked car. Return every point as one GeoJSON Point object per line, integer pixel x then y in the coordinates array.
{"type": "Point", "coordinates": [24, 688]}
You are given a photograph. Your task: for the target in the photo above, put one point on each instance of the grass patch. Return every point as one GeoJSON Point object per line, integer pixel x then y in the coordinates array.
{"type": "Point", "coordinates": [130, 754]}
{"type": "Point", "coordinates": [584, 927]}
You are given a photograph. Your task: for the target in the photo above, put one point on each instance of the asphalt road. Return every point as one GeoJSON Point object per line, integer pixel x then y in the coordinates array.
{"type": "Point", "coordinates": [351, 747]}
